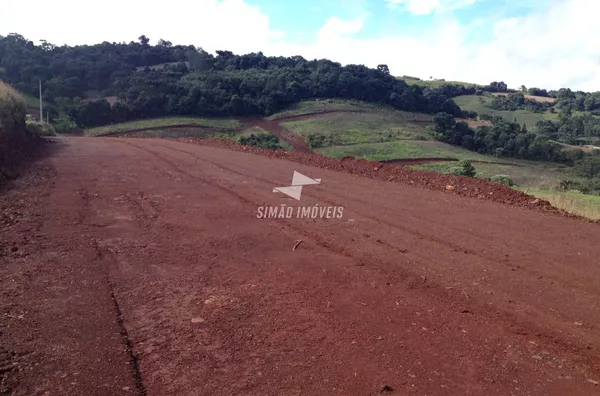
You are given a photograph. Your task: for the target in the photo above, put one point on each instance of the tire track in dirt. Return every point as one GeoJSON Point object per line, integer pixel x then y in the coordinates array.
{"type": "Point", "coordinates": [215, 302]}
{"type": "Point", "coordinates": [511, 322]}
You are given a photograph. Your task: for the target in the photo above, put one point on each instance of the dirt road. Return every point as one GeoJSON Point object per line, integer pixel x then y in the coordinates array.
{"type": "Point", "coordinates": [139, 267]}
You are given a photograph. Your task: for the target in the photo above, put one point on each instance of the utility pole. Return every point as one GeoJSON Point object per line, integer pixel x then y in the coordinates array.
{"type": "Point", "coordinates": [41, 107]}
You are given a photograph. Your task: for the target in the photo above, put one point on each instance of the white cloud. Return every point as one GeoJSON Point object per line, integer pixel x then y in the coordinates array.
{"type": "Point", "coordinates": [552, 47]}
{"type": "Point", "coordinates": [426, 7]}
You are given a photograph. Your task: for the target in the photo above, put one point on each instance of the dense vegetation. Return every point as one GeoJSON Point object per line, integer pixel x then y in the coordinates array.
{"type": "Point", "coordinates": [570, 129]}
{"type": "Point", "coordinates": [568, 100]}
{"type": "Point", "coordinates": [518, 101]}
{"type": "Point", "coordinates": [15, 138]}
{"type": "Point", "coordinates": [193, 82]}
{"type": "Point", "coordinates": [265, 140]}
{"type": "Point", "coordinates": [503, 139]}
{"type": "Point", "coordinates": [508, 139]}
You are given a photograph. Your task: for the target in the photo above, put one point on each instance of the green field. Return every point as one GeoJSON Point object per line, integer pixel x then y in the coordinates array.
{"type": "Point", "coordinates": [217, 123]}
{"type": "Point", "coordinates": [367, 127]}
{"type": "Point", "coordinates": [480, 105]}
{"type": "Point", "coordinates": [528, 174]}
{"type": "Point", "coordinates": [32, 101]}
{"type": "Point", "coordinates": [570, 201]}
{"type": "Point", "coordinates": [324, 106]}
{"type": "Point", "coordinates": [435, 83]}
{"type": "Point", "coordinates": [403, 149]}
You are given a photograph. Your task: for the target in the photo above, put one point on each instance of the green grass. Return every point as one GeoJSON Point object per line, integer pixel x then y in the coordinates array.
{"type": "Point", "coordinates": [403, 149]}
{"type": "Point", "coordinates": [570, 201]}
{"type": "Point", "coordinates": [480, 105]}
{"type": "Point", "coordinates": [368, 127]}
{"type": "Point", "coordinates": [530, 174]}
{"type": "Point", "coordinates": [32, 101]}
{"type": "Point", "coordinates": [325, 105]}
{"type": "Point", "coordinates": [435, 83]}
{"type": "Point", "coordinates": [257, 131]}
{"type": "Point", "coordinates": [166, 122]}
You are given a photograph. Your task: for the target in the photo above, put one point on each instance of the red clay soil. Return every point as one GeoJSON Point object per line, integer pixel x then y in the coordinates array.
{"type": "Point", "coordinates": [139, 267]}
{"type": "Point", "coordinates": [464, 186]}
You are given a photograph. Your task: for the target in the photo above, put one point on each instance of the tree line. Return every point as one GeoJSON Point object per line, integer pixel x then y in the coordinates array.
{"type": "Point", "coordinates": [503, 139]}
{"type": "Point", "coordinates": [518, 101]}
{"type": "Point", "coordinates": [169, 80]}
{"type": "Point", "coordinates": [190, 81]}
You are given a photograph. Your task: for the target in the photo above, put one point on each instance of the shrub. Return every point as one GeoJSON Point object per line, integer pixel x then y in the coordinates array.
{"type": "Point", "coordinates": [464, 168]}
{"type": "Point", "coordinates": [64, 124]}
{"type": "Point", "coordinates": [36, 128]}
{"type": "Point", "coordinates": [503, 179]}
{"type": "Point", "coordinates": [265, 140]}
{"type": "Point", "coordinates": [12, 109]}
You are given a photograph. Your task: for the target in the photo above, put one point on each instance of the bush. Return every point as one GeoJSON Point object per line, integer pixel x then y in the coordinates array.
{"type": "Point", "coordinates": [265, 140]}
{"type": "Point", "coordinates": [317, 140]}
{"type": "Point", "coordinates": [35, 128]}
{"type": "Point", "coordinates": [64, 124]}
{"type": "Point", "coordinates": [464, 168]}
{"type": "Point", "coordinates": [12, 110]}
{"type": "Point", "coordinates": [503, 179]}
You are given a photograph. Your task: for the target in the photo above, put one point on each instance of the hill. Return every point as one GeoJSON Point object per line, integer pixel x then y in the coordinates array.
{"type": "Point", "coordinates": [481, 105]}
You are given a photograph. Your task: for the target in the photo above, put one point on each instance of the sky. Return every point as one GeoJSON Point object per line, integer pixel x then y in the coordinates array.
{"type": "Point", "coordinates": [537, 43]}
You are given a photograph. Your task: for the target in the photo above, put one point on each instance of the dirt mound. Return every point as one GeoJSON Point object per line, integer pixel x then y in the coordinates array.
{"type": "Point", "coordinates": [464, 186]}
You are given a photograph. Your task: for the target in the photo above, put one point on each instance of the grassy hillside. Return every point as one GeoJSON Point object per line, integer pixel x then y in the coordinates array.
{"type": "Point", "coordinates": [364, 127]}
{"type": "Point", "coordinates": [523, 173]}
{"type": "Point", "coordinates": [325, 106]}
{"type": "Point", "coordinates": [435, 83]}
{"type": "Point", "coordinates": [400, 149]}
{"type": "Point", "coordinates": [217, 123]}
{"type": "Point", "coordinates": [480, 105]}
{"type": "Point", "coordinates": [571, 201]}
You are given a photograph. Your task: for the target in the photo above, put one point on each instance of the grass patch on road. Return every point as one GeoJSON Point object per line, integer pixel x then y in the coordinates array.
{"type": "Point", "coordinates": [220, 123]}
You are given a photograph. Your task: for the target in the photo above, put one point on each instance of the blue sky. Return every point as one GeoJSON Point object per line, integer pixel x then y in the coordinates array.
{"type": "Point", "coordinates": [544, 43]}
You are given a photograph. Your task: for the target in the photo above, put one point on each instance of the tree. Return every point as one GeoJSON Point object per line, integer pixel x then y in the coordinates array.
{"type": "Point", "coordinates": [144, 40]}
{"type": "Point", "coordinates": [465, 168]}
{"type": "Point", "coordinates": [383, 68]}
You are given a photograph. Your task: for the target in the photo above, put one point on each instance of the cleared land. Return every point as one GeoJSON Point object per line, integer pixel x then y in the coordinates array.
{"type": "Point", "coordinates": [315, 107]}
{"type": "Point", "coordinates": [363, 127]}
{"type": "Point", "coordinates": [480, 105]}
{"type": "Point", "coordinates": [145, 265]}
{"type": "Point", "coordinates": [537, 98]}
{"type": "Point", "coordinates": [435, 83]}
{"type": "Point", "coordinates": [163, 123]}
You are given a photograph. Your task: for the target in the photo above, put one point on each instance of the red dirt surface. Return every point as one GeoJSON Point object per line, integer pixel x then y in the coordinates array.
{"type": "Point", "coordinates": [465, 186]}
{"type": "Point", "coordinates": [139, 267]}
